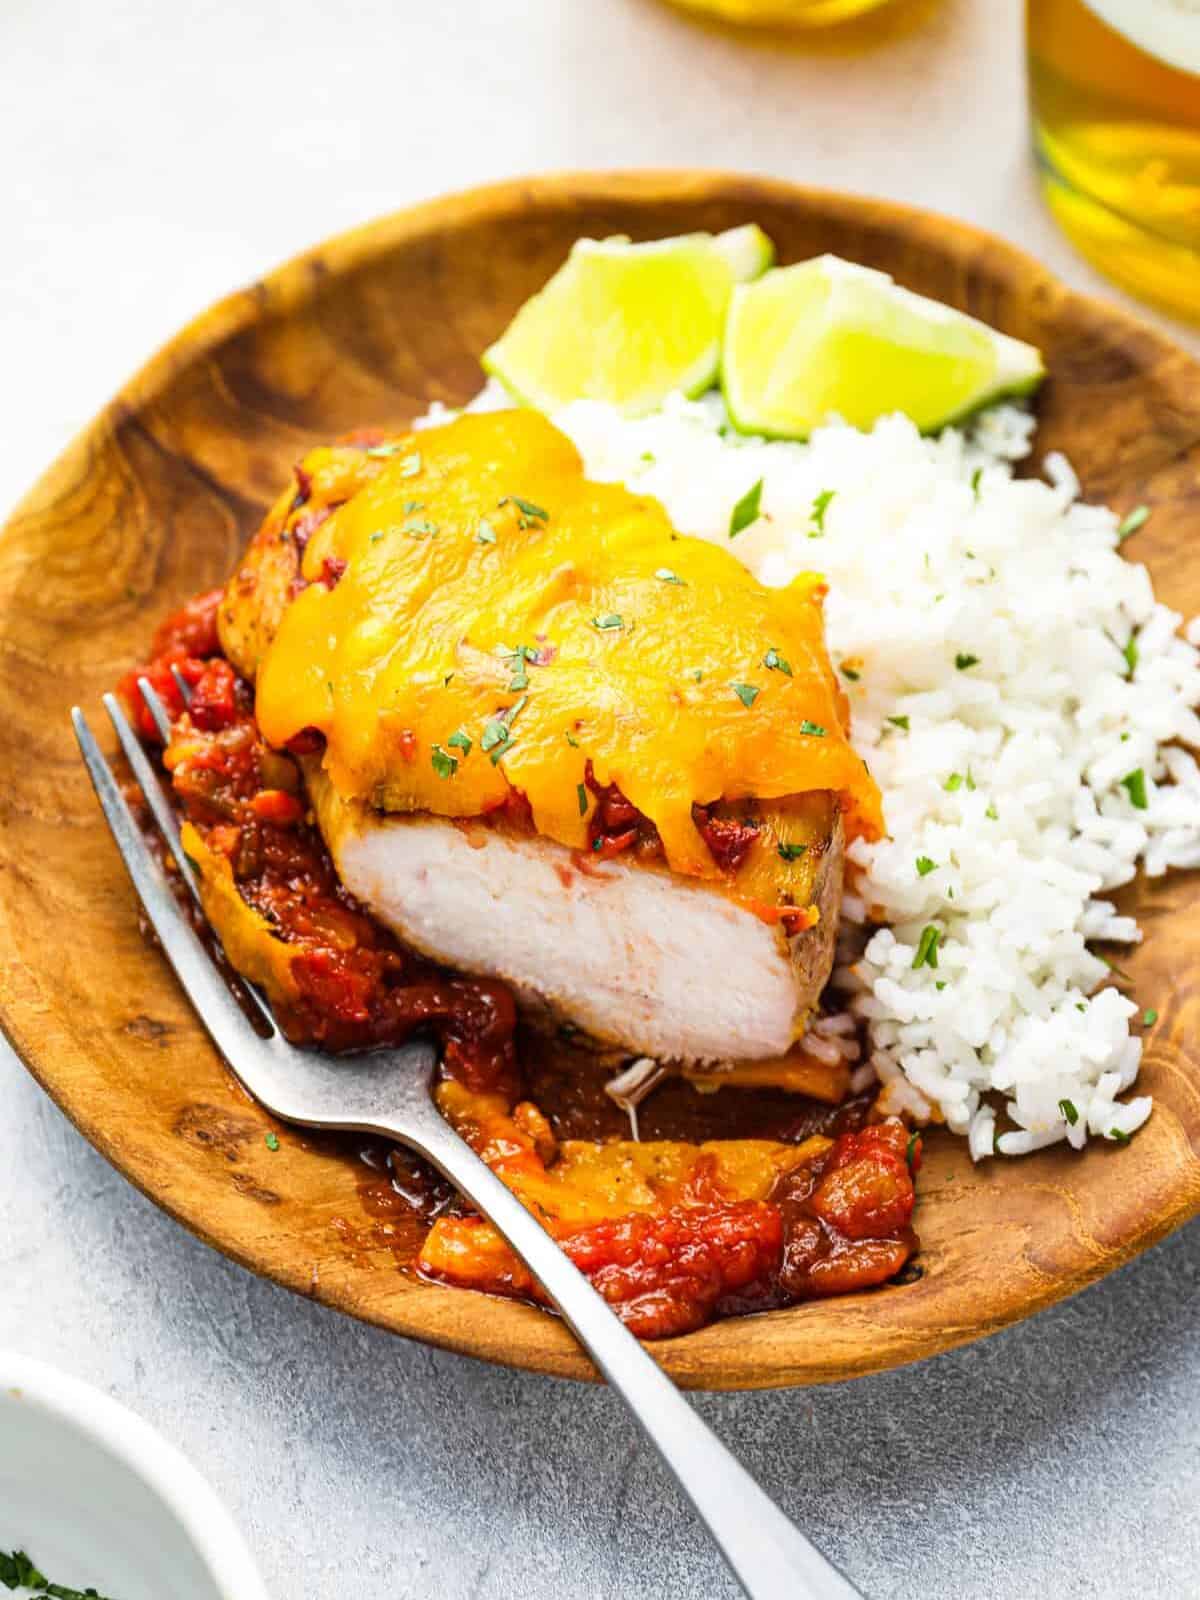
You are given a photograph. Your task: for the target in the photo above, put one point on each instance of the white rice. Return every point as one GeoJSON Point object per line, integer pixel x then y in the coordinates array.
{"type": "Point", "coordinates": [1006, 772]}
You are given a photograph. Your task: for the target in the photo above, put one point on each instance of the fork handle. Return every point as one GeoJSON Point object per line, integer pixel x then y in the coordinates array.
{"type": "Point", "coordinates": [767, 1553]}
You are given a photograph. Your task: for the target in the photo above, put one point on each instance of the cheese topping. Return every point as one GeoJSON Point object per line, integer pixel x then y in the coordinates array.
{"type": "Point", "coordinates": [480, 618]}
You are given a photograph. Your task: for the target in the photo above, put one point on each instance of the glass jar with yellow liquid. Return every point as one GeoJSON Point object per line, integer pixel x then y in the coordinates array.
{"type": "Point", "coordinates": [783, 13]}
{"type": "Point", "coordinates": [1115, 93]}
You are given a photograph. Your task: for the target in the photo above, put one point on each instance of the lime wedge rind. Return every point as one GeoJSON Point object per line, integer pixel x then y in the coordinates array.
{"type": "Point", "coordinates": [829, 338]}
{"type": "Point", "coordinates": [627, 323]}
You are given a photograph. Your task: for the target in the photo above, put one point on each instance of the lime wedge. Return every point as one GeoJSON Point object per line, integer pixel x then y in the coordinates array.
{"type": "Point", "coordinates": [628, 323]}
{"type": "Point", "coordinates": [828, 336]}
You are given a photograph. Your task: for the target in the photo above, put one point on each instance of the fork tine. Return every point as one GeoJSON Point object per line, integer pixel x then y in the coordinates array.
{"type": "Point", "coordinates": [218, 1010]}
{"type": "Point", "coordinates": [160, 808]}
{"type": "Point", "coordinates": [184, 687]}
{"type": "Point", "coordinates": [152, 789]}
{"type": "Point", "coordinates": [157, 710]}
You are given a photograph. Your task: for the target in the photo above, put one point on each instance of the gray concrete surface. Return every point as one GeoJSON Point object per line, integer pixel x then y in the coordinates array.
{"type": "Point", "coordinates": [153, 155]}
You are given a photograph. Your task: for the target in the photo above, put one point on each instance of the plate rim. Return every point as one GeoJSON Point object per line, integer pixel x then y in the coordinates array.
{"type": "Point", "coordinates": [288, 286]}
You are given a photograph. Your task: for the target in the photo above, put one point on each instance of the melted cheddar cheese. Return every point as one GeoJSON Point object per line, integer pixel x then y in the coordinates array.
{"type": "Point", "coordinates": [479, 617]}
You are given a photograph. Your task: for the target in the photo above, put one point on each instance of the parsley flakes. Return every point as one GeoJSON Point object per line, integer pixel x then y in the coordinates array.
{"type": "Point", "coordinates": [17, 1571]}
{"type": "Point", "coordinates": [581, 791]}
{"type": "Point", "coordinates": [747, 693]}
{"type": "Point", "coordinates": [272, 1141]}
{"type": "Point", "coordinates": [774, 662]}
{"type": "Point", "coordinates": [790, 852]}
{"type": "Point", "coordinates": [1134, 784]}
{"type": "Point", "coordinates": [813, 728]}
{"type": "Point", "coordinates": [460, 741]}
{"type": "Point", "coordinates": [747, 510]}
{"type": "Point", "coordinates": [529, 513]}
{"type": "Point", "coordinates": [817, 515]}
{"type": "Point", "coordinates": [962, 661]}
{"type": "Point", "coordinates": [1132, 522]}
{"type": "Point", "coordinates": [484, 532]}
{"type": "Point", "coordinates": [899, 722]}
{"type": "Point", "coordinates": [665, 575]}
{"type": "Point", "coordinates": [1069, 1111]}
{"type": "Point", "coordinates": [605, 624]}
{"type": "Point", "coordinates": [925, 866]}
{"type": "Point", "coordinates": [444, 764]}
{"type": "Point", "coordinates": [927, 947]}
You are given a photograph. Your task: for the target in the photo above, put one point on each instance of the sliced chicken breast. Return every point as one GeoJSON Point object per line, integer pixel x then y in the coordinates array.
{"type": "Point", "coordinates": [636, 957]}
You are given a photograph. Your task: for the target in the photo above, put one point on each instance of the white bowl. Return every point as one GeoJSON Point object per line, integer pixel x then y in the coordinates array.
{"type": "Point", "coordinates": [94, 1496]}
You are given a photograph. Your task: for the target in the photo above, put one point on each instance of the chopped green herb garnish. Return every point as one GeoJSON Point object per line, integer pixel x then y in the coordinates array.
{"type": "Point", "coordinates": [460, 740]}
{"type": "Point", "coordinates": [272, 1141]}
{"type": "Point", "coordinates": [1119, 1135]}
{"type": "Point", "coordinates": [940, 985]}
{"type": "Point", "coordinates": [1134, 783]}
{"type": "Point", "coordinates": [814, 728]}
{"type": "Point", "coordinates": [1080, 1005]}
{"type": "Point", "coordinates": [420, 528]}
{"type": "Point", "coordinates": [581, 791]}
{"type": "Point", "coordinates": [849, 672]}
{"type": "Point", "coordinates": [613, 620]}
{"type": "Point", "coordinates": [485, 533]}
{"type": "Point", "coordinates": [17, 1571]}
{"type": "Point", "coordinates": [527, 508]}
{"type": "Point", "coordinates": [697, 675]}
{"type": "Point", "coordinates": [496, 740]}
{"type": "Point", "coordinates": [444, 764]}
{"type": "Point", "coordinates": [991, 813]}
{"type": "Point", "coordinates": [747, 510]}
{"type": "Point", "coordinates": [1132, 522]}
{"type": "Point", "coordinates": [519, 657]}
{"type": "Point", "coordinates": [962, 661]}
{"type": "Point", "coordinates": [1150, 1018]}
{"type": "Point", "coordinates": [925, 866]}
{"type": "Point", "coordinates": [790, 852]}
{"type": "Point", "coordinates": [572, 741]}
{"type": "Point", "coordinates": [953, 782]}
{"type": "Point", "coordinates": [665, 575]}
{"type": "Point", "coordinates": [410, 466]}
{"type": "Point", "coordinates": [746, 693]}
{"type": "Point", "coordinates": [910, 1148]}
{"type": "Point", "coordinates": [413, 505]}
{"type": "Point", "coordinates": [1067, 1107]}
{"type": "Point", "coordinates": [899, 722]}
{"type": "Point", "coordinates": [777, 663]}
{"type": "Point", "coordinates": [819, 507]}
{"type": "Point", "coordinates": [970, 781]}
{"type": "Point", "coordinates": [1130, 653]}
{"type": "Point", "coordinates": [927, 947]}
{"type": "Point", "coordinates": [647, 456]}
{"type": "Point", "coordinates": [976, 478]}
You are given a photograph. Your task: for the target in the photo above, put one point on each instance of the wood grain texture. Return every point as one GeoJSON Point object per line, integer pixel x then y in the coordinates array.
{"type": "Point", "coordinates": [154, 502]}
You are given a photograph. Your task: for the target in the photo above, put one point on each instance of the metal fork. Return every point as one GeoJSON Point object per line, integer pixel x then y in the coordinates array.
{"type": "Point", "coordinates": [389, 1092]}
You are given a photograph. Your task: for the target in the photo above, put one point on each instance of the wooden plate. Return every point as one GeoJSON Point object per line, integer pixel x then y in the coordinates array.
{"type": "Point", "coordinates": [155, 501]}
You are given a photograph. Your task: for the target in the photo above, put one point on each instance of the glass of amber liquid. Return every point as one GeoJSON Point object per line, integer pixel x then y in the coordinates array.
{"type": "Point", "coordinates": [1115, 94]}
{"type": "Point", "coordinates": [783, 13]}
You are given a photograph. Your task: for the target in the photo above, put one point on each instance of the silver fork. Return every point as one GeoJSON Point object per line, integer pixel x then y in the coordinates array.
{"type": "Point", "coordinates": [389, 1092]}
